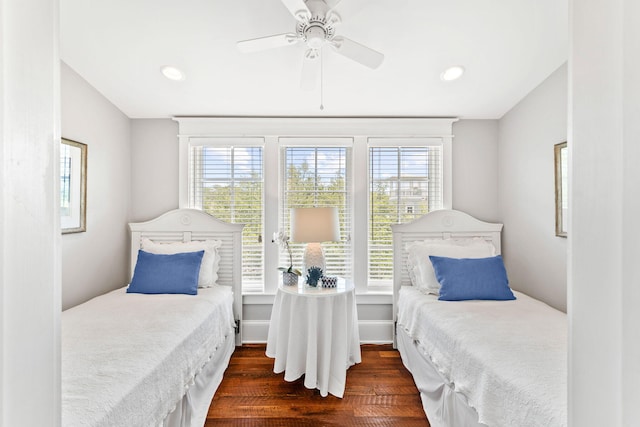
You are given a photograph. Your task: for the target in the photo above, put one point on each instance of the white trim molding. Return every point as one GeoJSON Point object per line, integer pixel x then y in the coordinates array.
{"type": "Point", "coordinates": [30, 243]}
{"type": "Point", "coordinates": [315, 126]}
{"type": "Point", "coordinates": [275, 128]}
{"type": "Point", "coordinates": [273, 132]}
{"type": "Point", "coordinates": [371, 331]}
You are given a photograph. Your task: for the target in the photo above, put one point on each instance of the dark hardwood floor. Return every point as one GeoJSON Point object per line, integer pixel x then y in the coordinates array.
{"type": "Point", "coordinates": [379, 392]}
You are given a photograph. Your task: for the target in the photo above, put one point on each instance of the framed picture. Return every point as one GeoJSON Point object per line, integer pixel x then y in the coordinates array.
{"type": "Point", "coordinates": [73, 186]}
{"type": "Point", "coordinates": [560, 154]}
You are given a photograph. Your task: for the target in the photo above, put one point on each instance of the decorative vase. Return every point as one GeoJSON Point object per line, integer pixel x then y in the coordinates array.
{"type": "Point", "coordinates": [289, 279]}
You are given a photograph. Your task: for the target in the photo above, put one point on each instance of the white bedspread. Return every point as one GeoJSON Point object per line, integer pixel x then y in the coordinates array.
{"type": "Point", "coordinates": [508, 358]}
{"type": "Point", "coordinates": [127, 359]}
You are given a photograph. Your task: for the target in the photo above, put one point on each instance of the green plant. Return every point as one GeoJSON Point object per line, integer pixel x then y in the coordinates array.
{"type": "Point", "coordinates": [313, 275]}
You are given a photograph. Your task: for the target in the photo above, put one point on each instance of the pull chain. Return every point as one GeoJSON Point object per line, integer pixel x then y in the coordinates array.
{"type": "Point", "coordinates": [321, 82]}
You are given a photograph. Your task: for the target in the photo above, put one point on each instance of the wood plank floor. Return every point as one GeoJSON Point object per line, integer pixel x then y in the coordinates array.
{"type": "Point", "coordinates": [379, 392]}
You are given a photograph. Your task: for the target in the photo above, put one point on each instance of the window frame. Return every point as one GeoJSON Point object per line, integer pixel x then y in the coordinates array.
{"type": "Point", "coordinates": [400, 143]}
{"type": "Point", "coordinates": [315, 142]}
{"type": "Point", "coordinates": [232, 143]}
{"type": "Point", "coordinates": [275, 129]}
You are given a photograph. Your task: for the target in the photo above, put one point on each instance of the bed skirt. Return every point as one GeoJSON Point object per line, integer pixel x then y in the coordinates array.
{"type": "Point", "coordinates": [442, 404]}
{"type": "Point", "coordinates": [192, 410]}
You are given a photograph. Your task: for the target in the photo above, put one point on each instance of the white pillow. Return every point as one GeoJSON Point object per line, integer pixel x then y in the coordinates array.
{"type": "Point", "coordinates": [420, 269]}
{"type": "Point", "coordinates": [416, 251]}
{"type": "Point", "coordinates": [210, 261]}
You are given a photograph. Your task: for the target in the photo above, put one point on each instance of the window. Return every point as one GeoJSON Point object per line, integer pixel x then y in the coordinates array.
{"type": "Point", "coordinates": [318, 177]}
{"type": "Point", "coordinates": [227, 182]}
{"type": "Point", "coordinates": [377, 171]}
{"type": "Point", "coordinates": [404, 183]}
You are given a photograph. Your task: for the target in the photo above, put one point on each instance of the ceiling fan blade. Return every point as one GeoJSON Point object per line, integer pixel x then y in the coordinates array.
{"type": "Point", "coordinates": [357, 52]}
{"type": "Point", "coordinates": [332, 3]}
{"type": "Point", "coordinates": [268, 42]}
{"type": "Point", "coordinates": [310, 70]}
{"type": "Point", "coordinates": [298, 8]}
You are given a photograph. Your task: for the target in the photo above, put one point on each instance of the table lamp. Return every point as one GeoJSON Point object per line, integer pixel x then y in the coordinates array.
{"type": "Point", "coordinates": [314, 226]}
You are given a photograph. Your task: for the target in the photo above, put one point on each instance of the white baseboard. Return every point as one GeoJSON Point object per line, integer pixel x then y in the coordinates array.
{"type": "Point", "coordinates": [371, 331]}
{"type": "Point", "coordinates": [376, 331]}
{"type": "Point", "coordinates": [255, 331]}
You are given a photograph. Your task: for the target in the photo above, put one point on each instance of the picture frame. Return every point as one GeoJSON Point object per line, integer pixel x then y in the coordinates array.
{"type": "Point", "coordinates": [560, 155]}
{"type": "Point", "coordinates": [73, 186]}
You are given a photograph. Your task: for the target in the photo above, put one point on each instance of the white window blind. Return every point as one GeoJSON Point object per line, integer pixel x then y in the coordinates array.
{"type": "Point", "coordinates": [227, 182]}
{"type": "Point", "coordinates": [318, 177]}
{"type": "Point", "coordinates": [404, 183]}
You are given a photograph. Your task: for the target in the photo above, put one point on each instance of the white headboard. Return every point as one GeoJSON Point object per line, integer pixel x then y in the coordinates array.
{"type": "Point", "coordinates": [441, 224]}
{"type": "Point", "coordinates": [184, 225]}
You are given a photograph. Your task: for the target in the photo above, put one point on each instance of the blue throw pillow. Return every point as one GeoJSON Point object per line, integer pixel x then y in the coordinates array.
{"type": "Point", "coordinates": [472, 278]}
{"type": "Point", "coordinates": [166, 274]}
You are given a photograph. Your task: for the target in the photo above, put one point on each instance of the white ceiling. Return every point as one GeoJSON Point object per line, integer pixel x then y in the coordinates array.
{"type": "Point", "coordinates": [508, 47]}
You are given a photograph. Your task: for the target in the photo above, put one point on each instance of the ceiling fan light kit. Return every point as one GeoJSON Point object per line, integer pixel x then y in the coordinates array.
{"type": "Point", "coordinates": [316, 29]}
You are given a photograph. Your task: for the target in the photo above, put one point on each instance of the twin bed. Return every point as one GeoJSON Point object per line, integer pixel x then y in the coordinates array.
{"type": "Point", "coordinates": [475, 362]}
{"type": "Point", "coordinates": [133, 359]}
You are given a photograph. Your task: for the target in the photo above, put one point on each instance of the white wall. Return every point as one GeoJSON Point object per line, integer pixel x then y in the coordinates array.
{"type": "Point", "coordinates": [154, 187]}
{"type": "Point", "coordinates": [604, 231]}
{"type": "Point", "coordinates": [155, 190]}
{"type": "Point", "coordinates": [29, 214]}
{"type": "Point", "coordinates": [534, 257]}
{"type": "Point", "coordinates": [475, 168]}
{"type": "Point", "coordinates": [96, 261]}
{"type": "Point", "coordinates": [154, 167]}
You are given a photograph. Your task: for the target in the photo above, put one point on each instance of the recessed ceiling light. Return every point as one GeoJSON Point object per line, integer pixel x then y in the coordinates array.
{"type": "Point", "coordinates": [452, 73]}
{"type": "Point", "coordinates": [172, 73]}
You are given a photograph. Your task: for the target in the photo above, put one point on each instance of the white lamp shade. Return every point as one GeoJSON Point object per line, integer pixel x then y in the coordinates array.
{"type": "Point", "coordinates": [314, 225]}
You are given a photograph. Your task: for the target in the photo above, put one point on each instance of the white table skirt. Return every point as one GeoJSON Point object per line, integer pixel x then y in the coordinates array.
{"type": "Point", "coordinates": [314, 332]}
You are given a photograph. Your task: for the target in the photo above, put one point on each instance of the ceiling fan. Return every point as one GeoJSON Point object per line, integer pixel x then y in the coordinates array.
{"type": "Point", "coordinates": [315, 28]}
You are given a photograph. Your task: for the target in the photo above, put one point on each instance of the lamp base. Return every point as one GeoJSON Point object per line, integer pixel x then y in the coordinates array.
{"type": "Point", "coordinates": [313, 257]}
